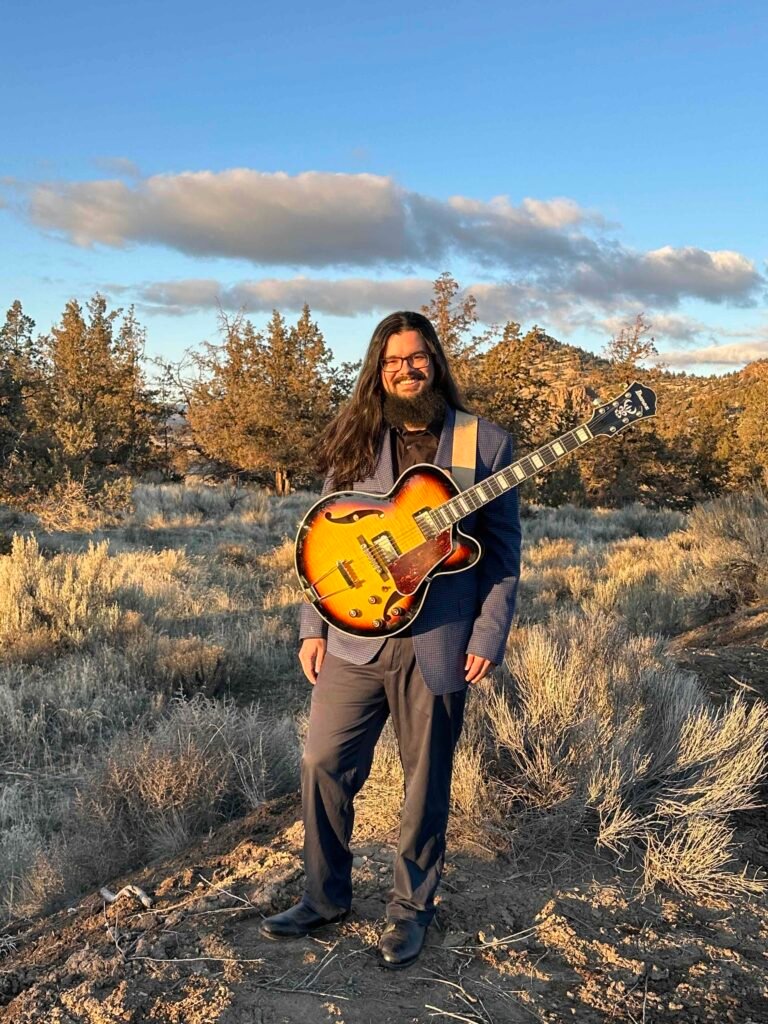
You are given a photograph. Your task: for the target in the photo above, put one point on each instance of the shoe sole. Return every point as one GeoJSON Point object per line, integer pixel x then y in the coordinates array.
{"type": "Point", "coordinates": [301, 935]}
{"type": "Point", "coordinates": [388, 966]}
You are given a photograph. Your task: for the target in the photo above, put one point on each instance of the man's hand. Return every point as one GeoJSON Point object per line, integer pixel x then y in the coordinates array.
{"type": "Point", "coordinates": [477, 668]}
{"type": "Point", "coordinates": [311, 654]}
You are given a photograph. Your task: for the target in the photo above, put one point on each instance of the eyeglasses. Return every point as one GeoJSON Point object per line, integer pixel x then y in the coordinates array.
{"type": "Point", "coordinates": [417, 361]}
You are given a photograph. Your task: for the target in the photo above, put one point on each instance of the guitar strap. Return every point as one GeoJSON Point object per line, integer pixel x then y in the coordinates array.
{"type": "Point", "coordinates": [464, 454]}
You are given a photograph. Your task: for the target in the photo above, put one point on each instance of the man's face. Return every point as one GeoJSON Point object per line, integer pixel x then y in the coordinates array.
{"type": "Point", "coordinates": [407, 381]}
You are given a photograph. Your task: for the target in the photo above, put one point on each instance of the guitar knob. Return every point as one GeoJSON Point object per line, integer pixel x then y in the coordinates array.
{"type": "Point", "coordinates": [397, 612]}
{"type": "Point", "coordinates": [373, 599]}
{"type": "Point", "coordinates": [378, 623]}
{"type": "Point", "coordinates": [354, 613]}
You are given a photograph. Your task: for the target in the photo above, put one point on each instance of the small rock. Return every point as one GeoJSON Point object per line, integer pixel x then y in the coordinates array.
{"type": "Point", "coordinates": [357, 862]}
{"type": "Point", "coordinates": [143, 947]}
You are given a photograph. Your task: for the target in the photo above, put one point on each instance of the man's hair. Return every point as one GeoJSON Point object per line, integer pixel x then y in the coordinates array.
{"type": "Point", "coordinates": [350, 443]}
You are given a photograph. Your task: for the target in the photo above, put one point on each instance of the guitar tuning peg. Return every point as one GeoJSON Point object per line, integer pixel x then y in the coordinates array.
{"type": "Point", "coordinates": [596, 402]}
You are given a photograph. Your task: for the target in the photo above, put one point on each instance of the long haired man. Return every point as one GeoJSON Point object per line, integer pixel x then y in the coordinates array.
{"type": "Point", "coordinates": [401, 413]}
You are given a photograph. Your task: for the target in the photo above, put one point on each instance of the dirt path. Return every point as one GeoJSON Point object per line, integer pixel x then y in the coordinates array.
{"type": "Point", "coordinates": [557, 941]}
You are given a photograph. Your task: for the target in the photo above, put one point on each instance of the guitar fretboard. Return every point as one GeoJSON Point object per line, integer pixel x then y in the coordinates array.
{"type": "Point", "coordinates": [494, 486]}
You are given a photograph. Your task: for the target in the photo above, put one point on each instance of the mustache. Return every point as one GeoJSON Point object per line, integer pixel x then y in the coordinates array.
{"type": "Point", "coordinates": [411, 376]}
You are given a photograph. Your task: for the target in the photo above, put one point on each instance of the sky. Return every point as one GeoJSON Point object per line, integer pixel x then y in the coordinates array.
{"type": "Point", "coordinates": [571, 164]}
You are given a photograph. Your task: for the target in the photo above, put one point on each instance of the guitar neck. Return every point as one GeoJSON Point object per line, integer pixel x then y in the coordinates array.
{"type": "Point", "coordinates": [493, 487]}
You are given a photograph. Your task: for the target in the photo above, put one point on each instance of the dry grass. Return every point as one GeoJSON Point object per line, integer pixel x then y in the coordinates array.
{"type": "Point", "coordinates": [100, 633]}
{"type": "Point", "coordinates": [154, 789]}
{"type": "Point", "coordinates": [130, 658]}
{"type": "Point", "coordinates": [593, 729]}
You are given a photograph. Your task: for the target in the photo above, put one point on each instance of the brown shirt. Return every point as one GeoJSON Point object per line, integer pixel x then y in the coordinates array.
{"type": "Point", "coordinates": [410, 447]}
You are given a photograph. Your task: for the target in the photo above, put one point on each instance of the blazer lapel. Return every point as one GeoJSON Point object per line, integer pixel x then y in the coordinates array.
{"type": "Point", "coordinates": [382, 479]}
{"type": "Point", "coordinates": [384, 473]}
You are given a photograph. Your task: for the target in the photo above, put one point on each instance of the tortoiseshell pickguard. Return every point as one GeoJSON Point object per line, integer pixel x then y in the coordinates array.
{"type": "Point", "coordinates": [409, 569]}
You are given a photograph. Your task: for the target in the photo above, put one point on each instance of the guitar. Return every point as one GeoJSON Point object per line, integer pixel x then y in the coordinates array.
{"type": "Point", "coordinates": [365, 561]}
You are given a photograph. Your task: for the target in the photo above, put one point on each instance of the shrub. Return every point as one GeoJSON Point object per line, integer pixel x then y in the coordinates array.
{"type": "Point", "coordinates": [729, 542]}
{"type": "Point", "coordinates": [65, 598]}
{"type": "Point", "coordinates": [158, 786]}
{"type": "Point", "coordinates": [599, 731]}
{"type": "Point", "coordinates": [72, 504]}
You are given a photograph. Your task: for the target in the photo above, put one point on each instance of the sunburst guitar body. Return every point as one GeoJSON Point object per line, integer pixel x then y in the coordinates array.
{"type": "Point", "coordinates": [366, 560]}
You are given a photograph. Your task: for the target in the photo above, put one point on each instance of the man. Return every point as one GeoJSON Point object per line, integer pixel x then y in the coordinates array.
{"type": "Point", "coordinates": [401, 413]}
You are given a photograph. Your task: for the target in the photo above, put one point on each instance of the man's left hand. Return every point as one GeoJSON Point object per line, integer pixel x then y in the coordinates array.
{"type": "Point", "coordinates": [477, 668]}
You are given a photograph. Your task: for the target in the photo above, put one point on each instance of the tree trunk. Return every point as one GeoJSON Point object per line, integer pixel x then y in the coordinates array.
{"type": "Point", "coordinates": [282, 482]}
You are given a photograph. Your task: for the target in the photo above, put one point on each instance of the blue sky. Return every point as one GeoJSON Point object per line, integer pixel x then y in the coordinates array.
{"type": "Point", "coordinates": [570, 163]}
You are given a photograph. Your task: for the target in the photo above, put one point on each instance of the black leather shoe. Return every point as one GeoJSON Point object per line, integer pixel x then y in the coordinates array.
{"type": "Point", "coordinates": [299, 920]}
{"type": "Point", "coordinates": [401, 942]}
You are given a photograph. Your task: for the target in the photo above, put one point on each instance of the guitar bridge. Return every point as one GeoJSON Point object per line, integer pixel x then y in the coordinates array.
{"type": "Point", "coordinates": [373, 557]}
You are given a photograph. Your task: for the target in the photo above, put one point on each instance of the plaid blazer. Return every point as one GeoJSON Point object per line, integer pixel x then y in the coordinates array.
{"type": "Point", "coordinates": [464, 612]}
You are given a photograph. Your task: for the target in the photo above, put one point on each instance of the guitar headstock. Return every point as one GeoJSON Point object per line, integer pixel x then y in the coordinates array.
{"type": "Point", "coordinates": [636, 403]}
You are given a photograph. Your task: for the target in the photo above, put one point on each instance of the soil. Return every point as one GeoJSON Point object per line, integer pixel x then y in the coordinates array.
{"type": "Point", "coordinates": [728, 655]}
{"type": "Point", "coordinates": [563, 939]}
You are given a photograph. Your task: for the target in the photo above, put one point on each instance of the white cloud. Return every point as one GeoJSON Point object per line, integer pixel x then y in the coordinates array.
{"type": "Point", "coordinates": [549, 261]}
{"type": "Point", "coordinates": [346, 297]}
{"type": "Point", "coordinates": [312, 219]}
{"type": "Point", "coordinates": [663, 326]}
{"type": "Point", "coordinates": [733, 354]}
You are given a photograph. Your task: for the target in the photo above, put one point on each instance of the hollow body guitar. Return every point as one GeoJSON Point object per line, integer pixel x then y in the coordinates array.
{"type": "Point", "coordinates": [365, 561]}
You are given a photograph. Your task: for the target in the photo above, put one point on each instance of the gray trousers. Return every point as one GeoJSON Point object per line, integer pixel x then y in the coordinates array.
{"type": "Point", "coordinates": [350, 705]}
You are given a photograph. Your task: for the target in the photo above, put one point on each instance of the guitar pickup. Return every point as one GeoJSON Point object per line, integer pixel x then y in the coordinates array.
{"type": "Point", "coordinates": [425, 522]}
{"type": "Point", "coordinates": [385, 546]}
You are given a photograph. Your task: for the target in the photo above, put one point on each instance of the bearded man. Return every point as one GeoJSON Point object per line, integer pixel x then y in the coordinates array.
{"type": "Point", "coordinates": [402, 413]}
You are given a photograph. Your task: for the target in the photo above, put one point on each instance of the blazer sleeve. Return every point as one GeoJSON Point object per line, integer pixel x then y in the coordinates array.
{"type": "Point", "coordinates": [311, 624]}
{"type": "Point", "coordinates": [498, 528]}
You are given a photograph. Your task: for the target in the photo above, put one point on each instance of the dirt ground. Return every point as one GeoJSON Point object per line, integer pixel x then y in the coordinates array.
{"type": "Point", "coordinates": [557, 941]}
{"type": "Point", "coordinates": [565, 939]}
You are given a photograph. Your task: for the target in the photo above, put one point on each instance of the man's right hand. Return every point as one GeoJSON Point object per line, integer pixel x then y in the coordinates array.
{"type": "Point", "coordinates": [311, 654]}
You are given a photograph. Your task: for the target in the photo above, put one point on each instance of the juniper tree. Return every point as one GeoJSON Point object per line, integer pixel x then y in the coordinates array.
{"type": "Point", "coordinates": [24, 444]}
{"type": "Point", "coordinates": [100, 406]}
{"type": "Point", "coordinates": [263, 398]}
{"type": "Point", "coordinates": [455, 319]}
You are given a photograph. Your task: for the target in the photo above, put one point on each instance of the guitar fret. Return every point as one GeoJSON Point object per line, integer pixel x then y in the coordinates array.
{"type": "Point", "coordinates": [480, 494]}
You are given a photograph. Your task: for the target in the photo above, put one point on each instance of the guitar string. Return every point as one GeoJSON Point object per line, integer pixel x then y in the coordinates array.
{"type": "Point", "coordinates": [408, 532]}
{"type": "Point", "coordinates": [411, 532]}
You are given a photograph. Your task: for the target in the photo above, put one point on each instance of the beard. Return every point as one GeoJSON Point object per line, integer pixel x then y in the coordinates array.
{"type": "Point", "coordinates": [421, 409]}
